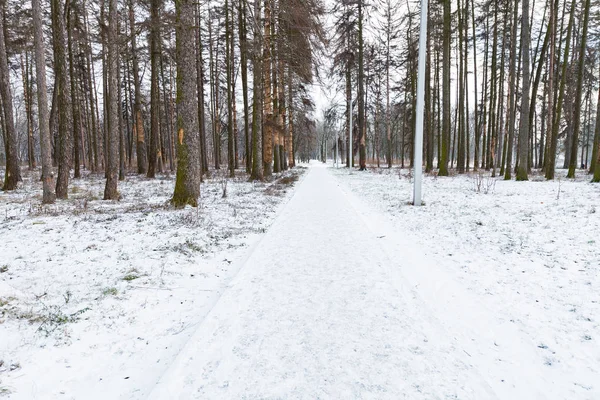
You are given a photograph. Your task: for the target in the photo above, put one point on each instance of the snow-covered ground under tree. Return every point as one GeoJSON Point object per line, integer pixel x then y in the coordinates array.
{"type": "Point", "coordinates": [97, 298]}
{"type": "Point", "coordinates": [337, 288]}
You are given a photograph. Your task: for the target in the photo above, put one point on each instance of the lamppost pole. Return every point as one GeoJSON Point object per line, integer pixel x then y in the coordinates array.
{"type": "Point", "coordinates": [420, 106]}
{"type": "Point", "coordinates": [351, 144]}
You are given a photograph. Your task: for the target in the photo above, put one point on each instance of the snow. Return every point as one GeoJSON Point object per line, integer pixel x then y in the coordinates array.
{"type": "Point", "coordinates": [526, 254]}
{"type": "Point", "coordinates": [356, 308]}
{"type": "Point", "coordinates": [336, 289]}
{"type": "Point", "coordinates": [104, 294]}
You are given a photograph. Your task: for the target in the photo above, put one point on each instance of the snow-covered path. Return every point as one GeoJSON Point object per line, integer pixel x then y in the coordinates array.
{"type": "Point", "coordinates": [321, 310]}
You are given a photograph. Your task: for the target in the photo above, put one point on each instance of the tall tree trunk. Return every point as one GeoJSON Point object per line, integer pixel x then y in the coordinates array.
{"type": "Point", "coordinates": [257, 172]}
{"type": "Point", "coordinates": [48, 196]}
{"type": "Point", "coordinates": [13, 172]}
{"type": "Point", "coordinates": [230, 88]}
{"type": "Point", "coordinates": [524, 122]}
{"type": "Point", "coordinates": [512, 102]}
{"type": "Point", "coordinates": [154, 152]}
{"type": "Point", "coordinates": [63, 98]}
{"type": "Point", "coordinates": [28, 110]}
{"type": "Point", "coordinates": [267, 96]}
{"type": "Point", "coordinates": [112, 168]}
{"type": "Point", "coordinates": [492, 131]}
{"type": "Point", "coordinates": [388, 111]}
{"type": "Point", "coordinates": [74, 97]}
{"type": "Point", "coordinates": [138, 119]}
{"type": "Point", "coordinates": [461, 95]}
{"type": "Point", "coordinates": [475, 76]}
{"type": "Point", "coordinates": [290, 130]}
{"type": "Point", "coordinates": [579, 91]}
{"type": "Point", "coordinates": [446, 89]}
{"type": "Point", "coordinates": [187, 184]}
{"type": "Point", "coordinates": [120, 115]}
{"type": "Point", "coordinates": [481, 146]}
{"type": "Point", "coordinates": [428, 123]}
{"type": "Point", "coordinates": [596, 146]}
{"type": "Point", "coordinates": [550, 84]}
{"type": "Point", "coordinates": [538, 75]}
{"type": "Point", "coordinates": [551, 155]}
{"type": "Point", "coordinates": [244, 72]}
{"type": "Point", "coordinates": [92, 99]}
{"type": "Point", "coordinates": [200, 84]}
{"type": "Point", "coordinates": [362, 135]}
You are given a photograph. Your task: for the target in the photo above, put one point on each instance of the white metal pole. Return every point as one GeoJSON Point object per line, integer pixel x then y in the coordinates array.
{"type": "Point", "coordinates": [336, 155]}
{"type": "Point", "coordinates": [350, 145]}
{"type": "Point", "coordinates": [420, 106]}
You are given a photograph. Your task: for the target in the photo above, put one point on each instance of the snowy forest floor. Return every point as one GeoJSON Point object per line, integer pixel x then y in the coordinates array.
{"type": "Point", "coordinates": [93, 292]}
{"type": "Point", "coordinates": [529, 252]}
{"type": "Point", "coordinates": [500, 278]}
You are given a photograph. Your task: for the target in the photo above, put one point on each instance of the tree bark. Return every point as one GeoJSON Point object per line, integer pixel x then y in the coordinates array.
{"type": "Point", "coordinates": [445, 90]}
{"type": "Point", "coordinates": [48, 196]}
{"type": "Point", "coordinates": [200, 84]}
{"type": "Point", "coordinates": [64, 146]}
{"type": "Point", "coordinates": [524, 123]}
{"type": "Point", "coordinates": [230, 88]}
{"type": "Point", "coordinates": [187, 184]}
{"type": "Point", "coordinates": [74, 99]}
{"type": "Point", "coordinates": [267, 97]}
{"type": "Point", "coordinates": [579, 91]}
{"type": "Point", "coordinates": [27, 100]}
{"type": "Point", "coordinates": [257, 172]}
{"type": "Point", "coordinates": [112, 168]}
{"type": "Point", "coordinates": [362, 148]}
{"type": "Point", "coordinates": [154, 152]}
{"type": "Point", "coordinates": [244, 72]}
{"type": "Point", "coordinates": [13, 171]}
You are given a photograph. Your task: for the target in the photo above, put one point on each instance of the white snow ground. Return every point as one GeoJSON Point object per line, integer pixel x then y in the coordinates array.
{"type": "Point", "coordinates": [351, 294]}
{"type": "Point", "coordinates": [97, 298]}
{"type": "Point", "coordinates": [526, 254]}
{"type": "Point", "coordinates": [339, 301]}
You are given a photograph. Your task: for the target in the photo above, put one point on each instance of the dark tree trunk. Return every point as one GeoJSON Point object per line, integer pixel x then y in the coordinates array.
{"type": "Point", "coordinates": [64, 146]}
{"type": "Point", "coordinates": [154, 152]}
{"type": "Point", "coordinates": [187, 184]}
{"type": "Point", "coordinates": [579, 91]}
{"type": "Point", "coordinates": [446, 91]}
{"type": "Point", "coordinates": [112, 168]}
{"type": "Point", "coordinates": [362, 139]}
{"type": "Point", "coordinates": [13, 171]}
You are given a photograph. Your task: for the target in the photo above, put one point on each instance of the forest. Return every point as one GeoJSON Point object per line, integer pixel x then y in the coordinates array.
{"type": "Point", "coordinates": [149, 87]}
{"type": "Point", "coordinates": [211, 199]}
